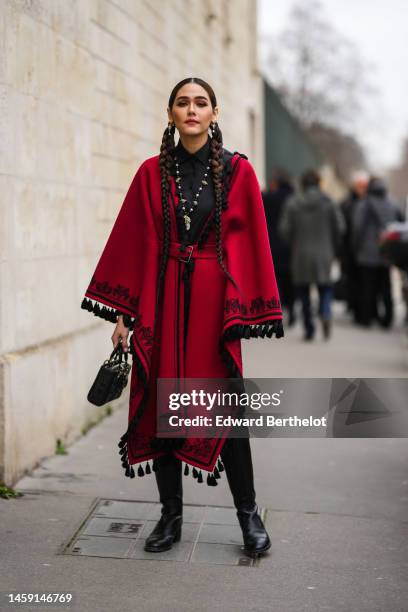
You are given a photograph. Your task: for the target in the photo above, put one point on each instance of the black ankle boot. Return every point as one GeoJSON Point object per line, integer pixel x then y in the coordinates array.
{"type": "Point", "coordinates": [166, 532]}
{"type": "Point", "coordinates": [256, 539]}
{"type": "Point", "coordinates": [169, 482]}
{"type": "Point", "coordinates": [237, 459]}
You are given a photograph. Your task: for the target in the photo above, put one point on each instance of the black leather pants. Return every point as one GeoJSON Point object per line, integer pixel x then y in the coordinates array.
{"type": "Point", "coordinates": [169, 482]}
{"type": "Point", "coordinates": [237, 460]}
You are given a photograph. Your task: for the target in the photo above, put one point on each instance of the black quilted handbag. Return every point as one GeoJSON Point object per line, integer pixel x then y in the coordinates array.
{"type": "Point", "coordinates": [111, 379]}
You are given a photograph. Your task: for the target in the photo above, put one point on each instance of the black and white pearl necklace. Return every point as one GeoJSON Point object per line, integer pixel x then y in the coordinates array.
{"type": "Point", "coordinates": [186, 207]}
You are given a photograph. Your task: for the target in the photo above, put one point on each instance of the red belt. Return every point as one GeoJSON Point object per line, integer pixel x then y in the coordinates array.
{"type": "Point", "coordinates": [187, 254]}
{"type": "Point", "coordinates": [191, 251]}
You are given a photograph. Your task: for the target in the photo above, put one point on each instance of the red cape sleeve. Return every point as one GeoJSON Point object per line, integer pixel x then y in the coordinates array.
{"type": "Point", "coordinates": [255, 304]}
{"type": "Point", "coordinates": [124, 279]}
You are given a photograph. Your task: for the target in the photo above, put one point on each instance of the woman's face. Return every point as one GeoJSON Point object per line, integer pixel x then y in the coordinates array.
{"type": "Point", "coordinates": [192, 103]}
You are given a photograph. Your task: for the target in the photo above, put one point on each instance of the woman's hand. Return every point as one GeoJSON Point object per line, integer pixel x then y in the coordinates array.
{"type": "Point", "coordinates": [121, 334]}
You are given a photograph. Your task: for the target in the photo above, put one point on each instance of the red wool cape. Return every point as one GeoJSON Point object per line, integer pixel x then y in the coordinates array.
{"type": "Point", "coordinates": [125, 280]}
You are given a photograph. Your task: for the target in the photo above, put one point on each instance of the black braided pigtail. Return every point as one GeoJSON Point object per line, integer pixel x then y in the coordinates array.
{"type": "Point", "coordinates": [217, 166]}
{"type": "Point", "coordinates": [165, 162]}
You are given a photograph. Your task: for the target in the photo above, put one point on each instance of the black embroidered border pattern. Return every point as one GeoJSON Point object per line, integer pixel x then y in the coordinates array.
{"type": "Point", "coordinates": [145, 333]}
{"type": "Point", "coordinates": [247, 329]}
{"type": "Point", "coordinates": [258, 306]}
{"type": "Point", "coordinates": [119, 292]}
{"type": "Point", "coordinates": [142, 375]}
{"type": "Point", "coordinates": [155, 443]}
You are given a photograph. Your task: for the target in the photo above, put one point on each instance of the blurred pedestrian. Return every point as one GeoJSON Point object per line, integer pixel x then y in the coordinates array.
{"type": "Point", "coordinates": [370, 217]}
{"type": "Point", "coordinates": [274, 199]}
{"type": "Point", "coordinates": [313, 225]}
{"type": "Point", "coordinates": [349, 267]}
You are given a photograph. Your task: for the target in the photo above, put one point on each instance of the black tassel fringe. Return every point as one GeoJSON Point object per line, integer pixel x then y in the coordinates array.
{"type": "Point", "coordinates": [259, 330]}
{"type": "Point", "coordinates": [123, 443]}
{"type": "Point", "coordinates": [197, 474]}
{"type": "Point", "coordinates": [104, 312]}
{"type": "Point", "coordinates": [211, 480]}
{"type": "Point", "coordinates": [268, 328]}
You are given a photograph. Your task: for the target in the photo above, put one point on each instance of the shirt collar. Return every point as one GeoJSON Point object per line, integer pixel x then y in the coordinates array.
{"type": "Point", "coordinates": [201, 155]}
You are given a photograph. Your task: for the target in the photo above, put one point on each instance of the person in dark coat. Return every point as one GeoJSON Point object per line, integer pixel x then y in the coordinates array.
{"type": "Point", "coordinates": [280, 189]}
{"type": "Point", "coordinates": [349, 266]}
{"type": "Point", "coordinates": [369, 219]}
{"type": "Point", "coordinates": [313, 225]}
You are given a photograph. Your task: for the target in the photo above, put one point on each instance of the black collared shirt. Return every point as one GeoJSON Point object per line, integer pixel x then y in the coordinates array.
{"type": "Point", "coordinates": [192, 167]}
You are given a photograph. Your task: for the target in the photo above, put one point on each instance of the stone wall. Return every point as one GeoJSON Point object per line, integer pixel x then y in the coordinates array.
{"type": "Point", "coordinates": [83, 95]}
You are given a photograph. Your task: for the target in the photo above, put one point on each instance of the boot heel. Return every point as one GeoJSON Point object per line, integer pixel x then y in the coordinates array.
{"type": "Point", "coordinates": [177, 535]}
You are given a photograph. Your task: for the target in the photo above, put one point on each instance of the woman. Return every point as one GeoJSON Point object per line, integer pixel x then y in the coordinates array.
{"type": "Point", "coordinates": [188, 268]}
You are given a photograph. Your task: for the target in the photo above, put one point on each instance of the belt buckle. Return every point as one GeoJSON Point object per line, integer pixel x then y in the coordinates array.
{"type": "Point", "coordinates": [191, 247]}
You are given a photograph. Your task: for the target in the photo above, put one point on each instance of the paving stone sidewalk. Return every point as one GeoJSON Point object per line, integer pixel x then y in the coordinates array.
{"type": "Point", "coordinates": [336, 511]}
